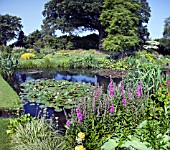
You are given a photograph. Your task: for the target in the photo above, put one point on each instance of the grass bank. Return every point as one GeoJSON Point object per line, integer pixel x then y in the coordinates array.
{"type": "Point", "coordinates": [4, 138]}
{"type": "Point", "coordinates": [8, 97]}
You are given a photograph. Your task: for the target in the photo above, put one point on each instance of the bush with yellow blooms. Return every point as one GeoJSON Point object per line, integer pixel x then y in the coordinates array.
{"type": "Point", "coordinates": [27, 56]}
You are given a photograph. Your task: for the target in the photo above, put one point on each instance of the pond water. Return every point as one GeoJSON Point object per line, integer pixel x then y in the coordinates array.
{"type": "Point", "coordinates": [35, 109]}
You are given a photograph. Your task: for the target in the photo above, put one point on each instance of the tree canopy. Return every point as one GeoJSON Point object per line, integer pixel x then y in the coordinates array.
{"type": "Point", "coordinates": [165, 41]}
{"type": "Point", "coordinates": [10, 26]}
{"type": "Point", "coordinates": [166, 32]}
{"type": "Point", "coordinates": [120, 19]}
{"type": "Point", "coordinates": [69, 15]}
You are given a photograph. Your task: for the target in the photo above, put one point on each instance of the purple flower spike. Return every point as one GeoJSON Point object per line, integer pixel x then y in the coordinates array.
{"type": "Point", "coordinates": [122, 88]}
{"type": "Point", "coordinates": [68, 123]}
{"type": "Point", "coordinates": [112, 109]}
{"type": "Point", "coordinates": [78, 110]}
{"type": "Point", "coordinates": [124, 102]}
{"type": "Point", "coordinates": [80, 116]}
{"type": "Point", "coordinates": [139, 90]}
{"type": "Point", "coordinates": [111, 89]}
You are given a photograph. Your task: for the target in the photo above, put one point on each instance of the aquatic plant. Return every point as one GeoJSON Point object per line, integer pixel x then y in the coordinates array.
{"type": "Point", "coordinates": [56, 94]}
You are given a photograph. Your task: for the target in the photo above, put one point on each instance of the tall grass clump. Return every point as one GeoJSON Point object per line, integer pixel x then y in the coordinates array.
{"type": "Point", "coordinates": [47, 63]}
{"type": "Point", "coordinates": [37, 135]}
{"type": "Point", "coordinates": [27, 64]}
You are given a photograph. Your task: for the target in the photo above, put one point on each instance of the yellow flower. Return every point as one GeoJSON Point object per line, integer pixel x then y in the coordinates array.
{"type": "Point", "coordinates": [27, 56]}
{"type": "Point", "coordinates": [81, 135]}
{"type": "Point", "coordinates": [80, 147]}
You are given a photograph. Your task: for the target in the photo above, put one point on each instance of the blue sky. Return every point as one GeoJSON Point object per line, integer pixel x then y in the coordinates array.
{"type": "Point", "coordinates": [31, 13]}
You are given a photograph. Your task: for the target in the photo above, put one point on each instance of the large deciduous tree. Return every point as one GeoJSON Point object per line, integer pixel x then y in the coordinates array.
{"type": "Point", "coordinates": [32, 38]}
{"type": "Point", "coordinates": [144, 15]}
{"type": "Point", "coordinates": [68, 15]}
{"type": "Point", "coordinates": [165, 41]}
{"type": "Point", "coordinates": [120, 19]}
{"type": "Point", "coordinates": [10, 26]}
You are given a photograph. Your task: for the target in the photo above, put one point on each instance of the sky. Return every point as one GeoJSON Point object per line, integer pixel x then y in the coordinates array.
{"type": "Point", "coordinates": [30, 11]}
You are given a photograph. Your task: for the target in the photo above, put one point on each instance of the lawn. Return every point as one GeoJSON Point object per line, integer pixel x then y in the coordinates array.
{"type": "Point", "coordinates": [8, 97]}
{"type": "Point", "coordinates": [4, 138]}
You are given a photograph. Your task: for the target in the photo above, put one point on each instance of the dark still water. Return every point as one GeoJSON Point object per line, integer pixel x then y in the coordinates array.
{"type": "Point", "coordinates": [86, 76]}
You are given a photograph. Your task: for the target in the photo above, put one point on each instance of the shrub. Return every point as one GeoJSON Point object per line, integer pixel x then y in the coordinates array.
{"type": "Point", "coordinates": [14, 122]}
{"type": "Point", "coordinates": [8, 66]}
{"type": "Point", "coordinates": [27, 56]}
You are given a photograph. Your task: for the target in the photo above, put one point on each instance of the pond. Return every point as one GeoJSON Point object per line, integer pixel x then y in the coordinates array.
{"type": "Point", "coordinates": [35, 109]}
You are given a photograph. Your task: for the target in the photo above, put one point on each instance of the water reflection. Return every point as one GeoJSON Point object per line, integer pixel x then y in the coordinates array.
{"type": "Point", "coordinates": [26, 75]}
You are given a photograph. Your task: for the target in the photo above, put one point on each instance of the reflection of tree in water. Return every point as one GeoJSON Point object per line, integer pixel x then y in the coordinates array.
{"type": "Point", "coordinates": [23, 77]}
{"type": "Point", "coordinates": [38, 75]}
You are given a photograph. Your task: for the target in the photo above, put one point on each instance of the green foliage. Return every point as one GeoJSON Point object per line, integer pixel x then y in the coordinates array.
{"type": "Point", "coordinates": [9, 26]}
{"type": "Point", "coordinates": [86, 62]}
{"type": "Point", "coordinates": [65, 16]}
{"type": "Point", "coordinates": [55, 94]}
{"type": "Point", "coordinates": [27, 64]}
{"type": "Point", "coordinates": [99, 123]}
{"type": "Point", "coordinates": [47, 63]}
{"type": "Point", "coordinates": [135, 143]}
{"type": "Point", "coordinates": [5, 51]}
{"type": "Point", "coordinates": [166, 33]}
{"type": "Point", "coordinates": [115, 65]}
{"type": "Point", "coordinates": [12, 127]}
{"type": "Point", "coordinates": [4, 140]}
{"type": "Point", "coordinates": [120, 20]}
{"type": "Point", "coordinates": [8, 66]}
{"type": "Point", "coordinates": [32, 38]}
{"type": "Point", "coordinates": [150, 75]}
{"type": "Point", "coordinates": [38, 135]}
{"type": "Point", "coordinates": [165, 41]}
{"type": "Point", "coordinates": [134, 124]}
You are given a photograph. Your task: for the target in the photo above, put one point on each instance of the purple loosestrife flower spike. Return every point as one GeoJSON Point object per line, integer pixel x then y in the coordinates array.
{"type": "Point", "coordinates": [80, 116]}
{"type": "Point", "coordinates": [112, 109]}
{"type": "Point", "coordinates": [111, 89]}
{"type": "Point", "coordinates": [122, 88]}
{"type": "Point", "coordinates": [139, 90]}
{"type": "Point", "coordinates": [68, 123]}
{"type": "Point", "coordinates": [124, 102]}
{"type": "Point", "coordinates": [78, 110]}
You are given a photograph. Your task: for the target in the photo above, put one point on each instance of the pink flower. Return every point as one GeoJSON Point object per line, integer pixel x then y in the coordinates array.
{"type": "Point", "coordinates": [124, 102]}
{"type": "Point", "coordinates": [112, 109]}
{"type": "Point", "coordinates": [68, 123]}
{"type": "Point", "coordinates": [139, 90]}
{"type": "Point", "coordinates": [80, 116]}
{"type": "Point", "coordinates": [111, 89]}
{"type": "Point", "coordinates": [78, 110]}
{"type": "Point", "coordinates": [122, 88]}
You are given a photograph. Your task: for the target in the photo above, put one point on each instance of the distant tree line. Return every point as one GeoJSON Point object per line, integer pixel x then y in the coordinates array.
{"type": "Point", "coordinates": [121, 26]}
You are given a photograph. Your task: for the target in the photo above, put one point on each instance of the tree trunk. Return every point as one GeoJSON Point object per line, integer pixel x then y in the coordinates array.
{"type": "Point", "coordinates": [101, 36]}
